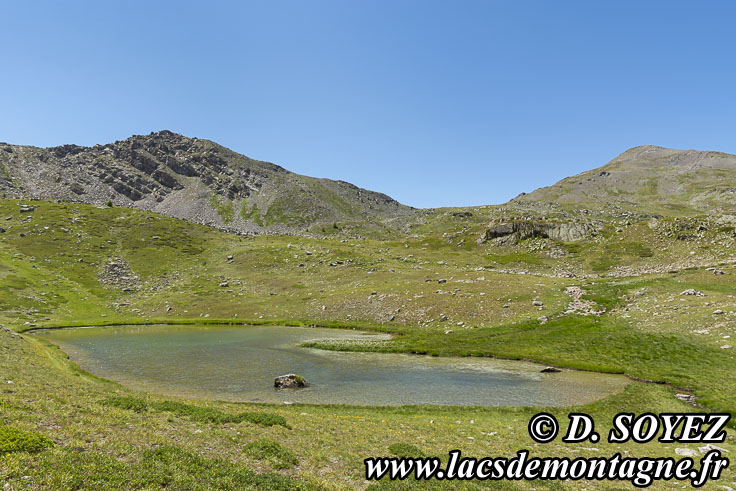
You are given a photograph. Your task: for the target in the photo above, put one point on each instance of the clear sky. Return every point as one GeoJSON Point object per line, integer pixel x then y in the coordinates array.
{"type": "Point", "coordinates": [434, 103]}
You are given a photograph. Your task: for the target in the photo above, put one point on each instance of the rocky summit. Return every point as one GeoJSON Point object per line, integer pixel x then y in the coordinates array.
{"type": "Point", "coordinates": [647, 180]}
{"type": "Point", "coordinates": [193, 179]}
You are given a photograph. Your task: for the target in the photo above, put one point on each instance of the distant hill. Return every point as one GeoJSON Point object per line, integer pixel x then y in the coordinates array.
{"type": "Point", "coordinates": [192, 179]}
{"type": "Point", "coordinates": [648, 179]}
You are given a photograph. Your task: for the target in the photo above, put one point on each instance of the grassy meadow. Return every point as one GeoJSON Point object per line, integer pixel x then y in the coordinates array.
{"type": "Point", "coordinates": [437, 289]}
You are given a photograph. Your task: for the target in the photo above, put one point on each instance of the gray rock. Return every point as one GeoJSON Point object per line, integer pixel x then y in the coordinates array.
{"type": "Point", "coordinates": [693, 292]}
{"type": "Point", "coordinates": [550, 370]}
{"type": "Point", "coordinates": [686, 452]}
{"type": "Point", "coordinates": [685, 398]}
{"type": "Point", "coordinates": [710, 447]}
{"type": "Point", "coordinates": [290, 381]}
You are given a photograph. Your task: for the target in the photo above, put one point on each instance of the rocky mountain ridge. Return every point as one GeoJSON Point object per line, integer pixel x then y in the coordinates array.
{"type": "Point", "coordinates": [192, 179]}
{"type": "Point", "coordinates": [201, 181]}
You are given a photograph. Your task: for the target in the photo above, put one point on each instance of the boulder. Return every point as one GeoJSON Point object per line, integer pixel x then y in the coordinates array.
{"type": "Point", "coordinates": [290, 381]}
{"type": "Point", "coordinates": [689, 398]}
{"type": "Point", "coordinates": [550, 370]}
{"type": "Point", "coordinates": [693, 292]}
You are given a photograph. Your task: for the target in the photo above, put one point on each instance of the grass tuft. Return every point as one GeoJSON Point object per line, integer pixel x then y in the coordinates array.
{"type": "Point", "coordinates": [279, 456]}
{"type": "Point", "coordinates": [408, 450]}
{"type": "Point", "coordinates": [15, 440]}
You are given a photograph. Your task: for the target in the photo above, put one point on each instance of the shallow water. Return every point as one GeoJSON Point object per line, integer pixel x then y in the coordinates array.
{"type": "Point", "coordinates": [240, 363]}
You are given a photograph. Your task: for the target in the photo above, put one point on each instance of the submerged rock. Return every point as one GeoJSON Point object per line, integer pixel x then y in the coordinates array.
{"type": "Point", "coordinates": [290, 381]}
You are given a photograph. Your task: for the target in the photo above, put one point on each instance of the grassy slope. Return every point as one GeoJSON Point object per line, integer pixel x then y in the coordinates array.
{"type": "Point", "coordinates": [50, 276]}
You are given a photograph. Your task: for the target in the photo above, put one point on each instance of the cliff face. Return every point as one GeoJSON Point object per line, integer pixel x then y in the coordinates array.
{"type": "Point", "coordinates": [189, 178]}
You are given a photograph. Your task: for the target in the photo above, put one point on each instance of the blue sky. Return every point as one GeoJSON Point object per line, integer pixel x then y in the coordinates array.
{"type": "Point", "coordinates": [434, 103]}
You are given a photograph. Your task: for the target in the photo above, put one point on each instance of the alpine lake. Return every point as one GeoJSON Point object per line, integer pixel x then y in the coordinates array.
{"type": "Point", "coordinates": [239, 363]}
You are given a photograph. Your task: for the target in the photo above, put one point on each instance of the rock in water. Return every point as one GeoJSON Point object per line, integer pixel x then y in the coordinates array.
{"type": "Point", "coordinates": [290, 381]}
{"type": "Point", "coordinates": [550, 370]}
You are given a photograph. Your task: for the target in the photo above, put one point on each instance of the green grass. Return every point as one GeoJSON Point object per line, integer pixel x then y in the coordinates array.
{"type": "Point", "coordinates": [254, 215]}
{"type": "Point", "coordinates": [618, 253]}
{"type": "Point", "coordinates": [514, 257]}
{"type": "Point", "coordinates": [166, 466]}
{"type": "Point", "coordinates": [126, 402]}
{"type": "Point", "coordinates": [275, 453]}
{"type": "Point", "coordinates": [224, 208]}
{"type": "Point", "coordinates": [195, 413]}
{"type": "Point", "coordinates": [407, 450]}
{"type": "Point", "coordinates": [15, 440]}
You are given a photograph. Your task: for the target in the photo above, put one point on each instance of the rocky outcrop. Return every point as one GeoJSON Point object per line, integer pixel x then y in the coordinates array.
{"type": "Point", "coordinates": [118, 274]}
{"type": "Point", "coordinates": [514, 231]}
{"type": "Point", "coordinates": [290, 381]}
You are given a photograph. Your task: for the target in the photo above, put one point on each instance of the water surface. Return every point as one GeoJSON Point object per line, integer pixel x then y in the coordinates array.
{"type": "Point", "coordinates": [240, 363]}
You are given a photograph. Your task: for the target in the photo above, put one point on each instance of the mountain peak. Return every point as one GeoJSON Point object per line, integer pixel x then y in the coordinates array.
{"type": "Point", "coordinates": [645, 152]}
{"type": "Point", "coordinates": [193, 179]}
{"type": "Point", "coordinates": [648, 179]}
